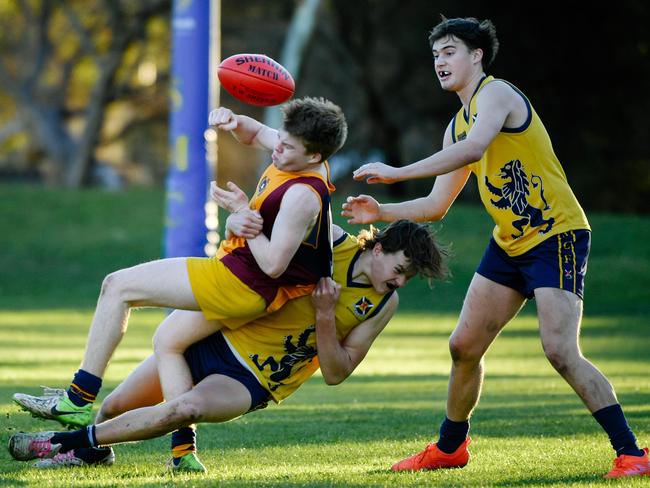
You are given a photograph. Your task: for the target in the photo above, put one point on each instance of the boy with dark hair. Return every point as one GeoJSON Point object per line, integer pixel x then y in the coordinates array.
{"type": "Point", "coordinates": [539, 246]}
{"type": "Point", "coordinates": [425, 257]}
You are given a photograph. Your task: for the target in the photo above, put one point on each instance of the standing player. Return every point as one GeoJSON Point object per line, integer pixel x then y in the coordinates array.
{"type": "Point", "coordinates": [539, 246]}
{"type": "Point", "coordinates": [237, 371]}
{"type": "Point", "coordinates": [247, 278]}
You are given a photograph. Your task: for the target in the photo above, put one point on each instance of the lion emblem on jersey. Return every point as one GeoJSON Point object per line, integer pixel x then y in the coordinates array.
{"type": "Point", "coordinates": [514, 195]}
{"type": "Point", "coordinates": [296, 353]}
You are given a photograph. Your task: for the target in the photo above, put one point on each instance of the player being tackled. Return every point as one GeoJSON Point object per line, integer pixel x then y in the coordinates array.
{"type": "Point", "coordinates": [333, 331]}
{"type": "Point", "coordinates": [244, 281]}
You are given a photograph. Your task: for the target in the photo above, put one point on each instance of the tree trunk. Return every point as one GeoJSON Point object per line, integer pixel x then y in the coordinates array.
{"type": "Point", "coordinates": [79, 170]}
{"type": "Point", "coordinates": [298, 37]}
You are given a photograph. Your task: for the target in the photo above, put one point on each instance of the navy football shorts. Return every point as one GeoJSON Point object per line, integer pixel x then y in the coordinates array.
{"type": "Point", "coordinates": [558, 262]}
{"type": "Point", "coordinates": [212, 355]}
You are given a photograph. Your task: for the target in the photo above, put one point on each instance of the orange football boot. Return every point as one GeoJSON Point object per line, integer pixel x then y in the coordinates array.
{"type": "Point", "coordinates": [625, 465]}
{"type": "Point", "coordinates": [434, 458]}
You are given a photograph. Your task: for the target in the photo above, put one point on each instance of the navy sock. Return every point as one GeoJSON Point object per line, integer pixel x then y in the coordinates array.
{"type": "Point", "coordinates": [84, 388]}
{"type": "Point", "coordinates": [612, 420]}
{"type": "Point", "coordinates": [73, 440]}
{"type": "Point", "coordinates": [452, 435]}
{"type": "Point", "coordinates": [92, 455]}
{"type": "Point", "coordinates": [183, 442]}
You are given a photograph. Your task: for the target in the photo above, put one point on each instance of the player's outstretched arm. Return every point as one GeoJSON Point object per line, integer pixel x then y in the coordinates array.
{"type": "Point", "coordinates": [246, 130]}
{"type": "Point", "coordinates": [364, 209]}
{"type": "Point", "coordinates": [339, 359]}
{"type": "Point", "coordinates": [445, 161]}
{"type": "Point", "coordinates": [495, 103]}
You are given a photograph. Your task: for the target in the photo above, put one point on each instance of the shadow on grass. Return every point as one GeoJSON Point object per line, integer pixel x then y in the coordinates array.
{"type": "Point", "coordinates": [499, 415]}
{"type": "Point", "coordinates": [372, 408]}
{"type": "Point", "coordinates": [321, 416]}
{"type": "Point", "coordinates": [553, 480]}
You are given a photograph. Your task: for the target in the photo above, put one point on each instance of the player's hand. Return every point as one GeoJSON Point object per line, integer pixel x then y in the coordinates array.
{"type": "Point", "coordinates": [223, 118]}
{"type": "Point", "coordinates": [376, 173]}
{"type": "Point", "coordinates": [361, 210]}
{"type": "Point", "coordinates": [325, 295]}
{"type": "Point", "coordinates": [246, 223]}
{"type": "Point", "coordinates": [233, 199]}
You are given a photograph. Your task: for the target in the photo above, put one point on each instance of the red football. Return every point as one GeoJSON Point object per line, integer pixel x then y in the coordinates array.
{"type": "Point", "coordinates": [256, 79]}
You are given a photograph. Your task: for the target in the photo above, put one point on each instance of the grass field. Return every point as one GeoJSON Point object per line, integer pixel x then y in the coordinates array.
{"type": "Point", "coordinates": [529, 430]}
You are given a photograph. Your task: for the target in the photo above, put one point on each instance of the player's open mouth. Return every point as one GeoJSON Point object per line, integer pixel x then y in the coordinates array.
{"type": "Point", "coordinates": [443, 74]}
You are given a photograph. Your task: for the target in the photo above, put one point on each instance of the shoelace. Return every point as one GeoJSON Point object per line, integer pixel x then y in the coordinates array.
{"type": "Point", "coordinates": [50, 392]}
{"type": "Point", "coordinates": [42, 447]}
{"type": "Point", "coordinates": [62, 457]}
{"type": "Point", "coordinates": [169, 465]}
{"type": "Point", "coordinates": [621, 467]}
{"type": "Point", "coordinates": [425, 452]}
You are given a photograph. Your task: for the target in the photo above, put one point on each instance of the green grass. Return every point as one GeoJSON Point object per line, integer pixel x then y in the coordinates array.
{"type": "Point", "coordinates": [530, 428]}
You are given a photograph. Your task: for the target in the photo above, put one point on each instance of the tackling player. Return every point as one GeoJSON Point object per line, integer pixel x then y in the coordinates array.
{"type": "Point", "coordinates": [237, 371]}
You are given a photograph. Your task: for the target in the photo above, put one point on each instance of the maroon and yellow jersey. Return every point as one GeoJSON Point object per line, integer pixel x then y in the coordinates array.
{"type": "Point", "coordinates": [312, 260]}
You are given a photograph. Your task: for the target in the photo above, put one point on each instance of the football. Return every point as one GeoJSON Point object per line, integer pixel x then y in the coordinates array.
{"type": "Point", "coordinates": [256, 79]}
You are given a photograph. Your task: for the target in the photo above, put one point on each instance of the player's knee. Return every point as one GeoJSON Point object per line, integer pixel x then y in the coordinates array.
{"type": "Point", "coordinates": [558, 362]}
{"type": "Point", "coordinates": [111, 407]}
{"type": "Point", "coordinates": [113, 286]}
{"type": "Point", "coordinates": [462, 351]}
{"type": "Point", "coordinates": [559, 356]}
{"type": "Point", "coordinates": [108, 285]}
{"type": "Point", "coordinates": [165, 343]}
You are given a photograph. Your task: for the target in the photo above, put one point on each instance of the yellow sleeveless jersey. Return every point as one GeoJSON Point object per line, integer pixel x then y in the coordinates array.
{"type": "Point", "coordinates": [521, 181]}
{"type": "Point", "coordinates": [280, 348]}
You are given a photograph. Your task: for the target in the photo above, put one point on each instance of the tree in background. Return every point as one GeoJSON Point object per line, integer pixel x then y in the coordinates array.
{"type": "Point", "coordinates": [63, 64]}
{"type": "Point", "coordinates": [585, 71]}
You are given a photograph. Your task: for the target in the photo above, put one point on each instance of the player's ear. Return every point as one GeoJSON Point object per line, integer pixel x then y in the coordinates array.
{"type": "Point", "coordinates": [315, 158]}
{"type": "Point", "coordinates": [377, 249]}
{"type": "Point", "coordinates": [477, 55]}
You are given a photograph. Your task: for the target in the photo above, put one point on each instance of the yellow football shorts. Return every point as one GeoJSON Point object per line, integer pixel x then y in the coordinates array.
{"type": "Point", "coordinates": [221, 295]}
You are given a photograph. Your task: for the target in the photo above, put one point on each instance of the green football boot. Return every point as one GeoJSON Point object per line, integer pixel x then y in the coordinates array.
{"type": "Point", "coordinates": [55, 405]}
{"type": "Point", "coordinates": [189, 463]}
